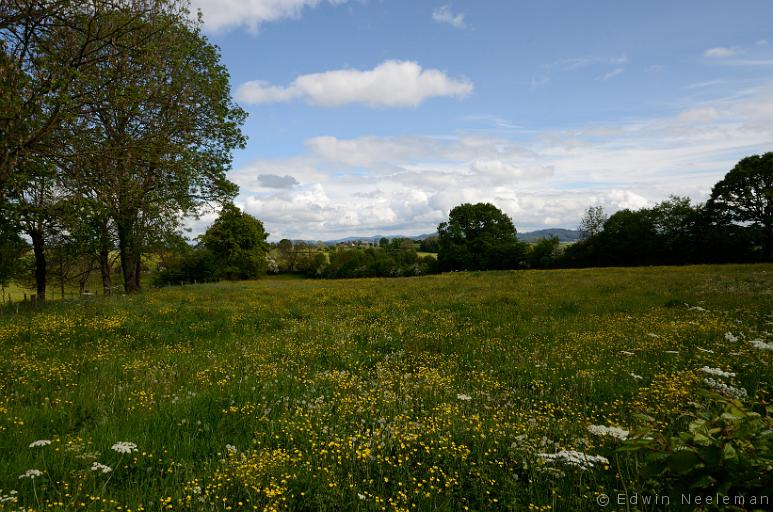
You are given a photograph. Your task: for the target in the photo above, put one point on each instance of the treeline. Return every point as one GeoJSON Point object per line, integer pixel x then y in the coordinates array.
{"type": "Point", "coordinates": [116, 122]}
{"type": "Point", "coordinates": [734, 225]}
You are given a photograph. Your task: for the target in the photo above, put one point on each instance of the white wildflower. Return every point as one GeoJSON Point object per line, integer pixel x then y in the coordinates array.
{"type": "Point", "coordinates": [231, 448]}
{"type": "Point", "coordinates": [717, 372]}
{"type": "Point", "coordinates": [616, 432]}
{"type": "Point", "coordinates": [464, 397]}
{"type": "Point", "coordinates": [31, 473]}
{"type": "Point", "coordinates": [196, 490]}
{"type": "Point", "coordinates": [124, 447]}
{"type": "Point", "coordinates": [96, 466]}
{"type": "Point", "coordinates": [361, 496]}
{"type": "Point", "coordinates": [762, 345]}
{"type": "Point", "coordinates": [574, 458]}
{"type": "Point", "coordinates": [730, 337]}
{"type": "Point", "coordinates": [637, 377]}
{"type": "Point", "coordinates": [41, 442]}
{"type": "Point", "coordinates": [724, 389]}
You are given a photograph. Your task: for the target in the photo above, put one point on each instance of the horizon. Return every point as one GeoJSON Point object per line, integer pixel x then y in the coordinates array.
{"type": "Point", "coordinates": [379, 117]}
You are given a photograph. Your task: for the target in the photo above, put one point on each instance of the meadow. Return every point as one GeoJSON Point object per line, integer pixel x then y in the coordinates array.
{"type": "Point", "coordinates": [462, 391]}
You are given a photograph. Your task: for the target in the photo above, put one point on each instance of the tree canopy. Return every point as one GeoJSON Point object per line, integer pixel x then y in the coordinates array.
{"type": "Point", "coordinates": [478, 237]}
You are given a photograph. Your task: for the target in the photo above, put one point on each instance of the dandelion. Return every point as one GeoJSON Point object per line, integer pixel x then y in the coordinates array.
{"type": "Point", "coordinates": [730, 337]}
{"type": "Point", "coordinates": [761, 345]}
{"type": "Point", "coordinates": [717, 372]}
{"type": "Point", "coordinates": [724, 389]}
{"type": "Point", "coordinates": [31, 474]}
{"type": "Point", "coordinates": [616, 432]}
{"type": "Point", "coordinates": [464, 397]}
{"type": "Point", "coordinates": [96, 466]}
{"type": "Point", "coordinates": [124, 447]}
{"type": "Point", "coordinates": [574, 458]}
{"type": "Point", "coordinates": [39, 443]}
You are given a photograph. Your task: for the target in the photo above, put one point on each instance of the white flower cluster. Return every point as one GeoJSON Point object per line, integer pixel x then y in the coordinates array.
{"type": "Point", "coordinates": [231, 448]}
{"type": "Point", "coordinates": [717, 372]}
{"type": "Point", "coordinates": [96, 466]}
{"type": "Point", "coordinates": [574, 458]}
{"type": "Point", "coordinates": [124, 447]}
{"type": "Point", "coordinates": [724, 389]}
{"type": "Point", "coordinates": [42, 442]}
{"type": "Point", "coordinates": [11, 497]}
{"type": "Point", "coordinates": [616, 432]}
{"type": "Point", "coordinates": [761, 345]}
{"type": "Point", "coordinates": [464, 397]}
{"type": "Point", "coordinates": [32, 474]}
{"type": "Point", "coordinates": [729, 336]}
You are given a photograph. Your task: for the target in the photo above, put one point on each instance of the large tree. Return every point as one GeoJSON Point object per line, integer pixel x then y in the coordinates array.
{"type": "Point", "coordinates": [478, 237]}
{"type": "Point", "coordinates": [44, 47]}
{"type": "Point", "coordinates": [746, 194]}
{"type": "Point", "coordinates": [157, 144]}
{"type": "Point", "coordinates": [237, 241]}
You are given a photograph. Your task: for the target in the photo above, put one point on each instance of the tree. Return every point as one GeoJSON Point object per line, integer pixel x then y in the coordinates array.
{"type": "Point", "coordinates": [478, 237]}
{"type": "Point", "coordinates": [592, 222]}
{"type": "Point", "coordinates": [237, 241]}
{"type": "Point", "coordinates": [44, 47]}
{"type": "Point", "coordinates": [746, 193]}
{"type": "Point", "coordinates": [155, 145]}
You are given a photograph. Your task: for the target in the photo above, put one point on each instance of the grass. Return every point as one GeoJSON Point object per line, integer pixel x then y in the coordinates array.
{"type": "Point", "coordinates": [432, 393]}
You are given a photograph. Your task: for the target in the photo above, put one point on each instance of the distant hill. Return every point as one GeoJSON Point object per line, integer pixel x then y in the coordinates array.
{"type": "Point", "coordinates": [564, 235]}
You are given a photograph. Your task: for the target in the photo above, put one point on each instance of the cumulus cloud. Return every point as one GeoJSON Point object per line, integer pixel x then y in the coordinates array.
{"type": "Point", "coordinates": [408, 184]}
{"type": "Point", "coordinates": [393, 83]}
{"type": "Point", "coordinates": [719, 52]}
{"type": "Point", "coordinates": [275, 181]}
{"type": "Point", "coordinates": [445, 15]}
{"type": "Point", "coordinates": [225, 14]}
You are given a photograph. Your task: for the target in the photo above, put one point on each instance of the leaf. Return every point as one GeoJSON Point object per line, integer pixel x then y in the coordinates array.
{"type": "Point", "coordinates": [684, 461]}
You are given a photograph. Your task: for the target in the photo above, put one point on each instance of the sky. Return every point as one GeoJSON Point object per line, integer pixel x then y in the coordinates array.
{"type": "Point", "coordinates": [377, 117]}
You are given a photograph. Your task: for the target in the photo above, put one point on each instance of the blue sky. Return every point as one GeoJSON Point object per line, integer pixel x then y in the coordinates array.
{"type": "Point", "coordinates": [379, 116]}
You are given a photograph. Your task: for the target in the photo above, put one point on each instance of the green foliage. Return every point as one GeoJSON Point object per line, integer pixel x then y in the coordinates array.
{"type": "Point", "coordinates": [543, 254]}
{"type": "Point", "coordinates": [746, 194]}
{"type": "Point", "coordinates": [237, 242]}
{"type": "Point", "coordinates": [12, 247]}
{"type": "Point", "coordinates": [478, 237]}
{"type": "Point", "coordinates": [725, 449]}
{"type": "Point", "coordinates": [399, 258]}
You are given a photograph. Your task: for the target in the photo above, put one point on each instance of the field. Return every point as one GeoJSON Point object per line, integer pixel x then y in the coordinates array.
{"type": "Point", "coordinates": [446, 392]}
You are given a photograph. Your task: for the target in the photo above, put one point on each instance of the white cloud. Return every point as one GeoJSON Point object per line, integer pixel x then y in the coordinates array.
{"type": "Point", "coordinates": [761, 42]}
{"type": "Point", "coordinates": [225, 14]}
{"type": "Point", "coordinates": [611, 74]}
{"type": "Point", "coordinates": [408, 184]}
{"type": "Point", "coordinates": [445, 15]}
{"type": "Point", "coordinates": [719, 52]}
{"type": "Point", "coordinates": [392, 83]}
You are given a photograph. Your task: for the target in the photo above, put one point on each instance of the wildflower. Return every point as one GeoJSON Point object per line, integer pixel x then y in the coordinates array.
{"type": "Point", "coordinates": [574, 458]}
{"type": "Point", "coordinates": [616, 432]}
{"type": "Point", "coordinates": [231, 448]}
{"type": "Point", "coordinates": [637, 377]}
{"type": "Point", "coordinates": [724, 389]}
{"type": "Point", "coordinates": [729, 337]}
{"type": "Point", "coordinates": [31, 473]}
{"type": "Point", "coordinates": [464, 397]}
{"type": "Point", "coordinates": [717, 372]}
{"type": "Point", "coordinates": [41, 442]}
{"type": "Point", "coordinates": [96, 466]}
{"type": "Point", "coordinates": [761, 345]}
{"type": "Point", "coordinates": [361, 496]}
{"type": "Point", "coordinates": [124, 447]}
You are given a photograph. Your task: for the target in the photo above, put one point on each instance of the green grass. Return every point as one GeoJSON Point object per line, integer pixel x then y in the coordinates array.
{"type": "Point", "coordinates": [432, 393]}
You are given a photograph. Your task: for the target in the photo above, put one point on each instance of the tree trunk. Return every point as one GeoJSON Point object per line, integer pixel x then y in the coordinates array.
{"type": "Point", "coordinates": [104, 270]}
{"type": "Point", "coordinates": [39, 248]}
{"type": "Point", "coordinates": [130, 256]}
